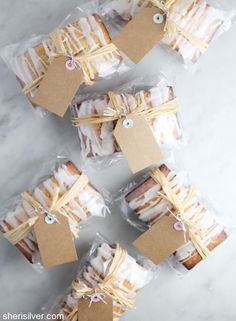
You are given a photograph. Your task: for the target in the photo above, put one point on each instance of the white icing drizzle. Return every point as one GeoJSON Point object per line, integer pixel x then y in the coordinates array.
{"type": "Point", "coordinates": [130, 270]}
{"type": "Point", "coordinates": [86, 32]}
{"type": "Point", "coordinates": [97, 30]}
{"type": "Point", "coordinates": [203, 21]}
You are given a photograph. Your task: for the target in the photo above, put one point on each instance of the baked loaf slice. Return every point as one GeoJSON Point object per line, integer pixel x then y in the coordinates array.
{"type": "Point", "coordinates": [84, 36]}
{"type": "Point", "coordinates": [149, 205]}
{"type": "Point", "coordinates": [131, 277]}
{"type": "Point", "coordinates": [98, 140]}
{"type": "Point", "coordinates": [197, 17]}
{"type": "Point", "coordinates": [87, 203]}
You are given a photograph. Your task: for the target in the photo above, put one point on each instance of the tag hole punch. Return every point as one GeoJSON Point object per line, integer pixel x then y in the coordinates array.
{"type": "Point", "coordinates": [179, 226]}
{"type": "Point", "coordinates": [128, 123]}
{"type": "Point", "coordinates": [49, 219]}
{"type": "Point", "coordinates": [97, 298]}
{"type": "Point", "coordinates": [70, 65]}
{"type": "Point", "coordinates": [158, 18]}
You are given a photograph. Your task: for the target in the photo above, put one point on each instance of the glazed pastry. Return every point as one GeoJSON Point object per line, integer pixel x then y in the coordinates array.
{"type": "Point", "coordinates": [85, 36]}
{"type": "Point", "coordinates": [197, 17]}
{"type": "Point", "coordinates": [131, 277]}
{"type": "Point", "coordinates": [98, 140]}
{"type": "Point", "coordinates": [87, 203]}
{"type": "Point", "coordinates": [148, 203]}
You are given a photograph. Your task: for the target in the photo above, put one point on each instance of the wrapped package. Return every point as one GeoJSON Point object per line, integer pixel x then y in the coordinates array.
{"type": "Point", "coordinates": [97, 139]}
{"type": "Point", "coordinates": [165, 192]}
{"type": "Point", "coordinates": [82, 34]}
{"type": "Point", "coordinates": [85, 203]}
{"type": "Point", "coordinates": [129, 275]}
{"type": "Point", "coordinates": [197, 22]}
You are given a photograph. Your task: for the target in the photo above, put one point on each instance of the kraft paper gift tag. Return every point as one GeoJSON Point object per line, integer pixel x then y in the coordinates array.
{"type": "Point", "coordinates": [95, 311]}
{"type": "Point", "coordinates": [55, 241]}
{"type": "Point", "coordinates": [59, 86]}
{"type": "Point", "coordinates": [162, 239]}
{"type": "Point", "coordinates": [137, 142]}
{"type": "Point", "coordinates": [141, 34]}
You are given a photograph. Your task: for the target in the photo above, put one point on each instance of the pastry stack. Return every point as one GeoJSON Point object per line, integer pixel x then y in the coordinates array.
{"type": "Point", "coordinates": [87, 203]}
{"type": "Point", "coordinates": [196, 17]}
{"type": "Point", "coordinates": [97, 140]}
{"type": "Point", "coordinates": [130, 278]}
{"type": "Point", "coordinates": [148, 201]}
{"type": "Point", "coordinates": [82, 37]}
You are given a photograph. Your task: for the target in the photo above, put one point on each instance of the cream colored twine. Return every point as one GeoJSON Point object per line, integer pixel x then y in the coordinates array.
{"type": "Point", "coordinates": [172, 28]}
{"type": "Point", "coordinates": [107, 286]}
{"type": "Point", "coordinates": [117, 112]}
{"type": "Point", "coordinates": [195, 234]}
{"type": "Point", "coordinates": [58, 205]}
{"type": "Point", "coordinates": [64, 49]}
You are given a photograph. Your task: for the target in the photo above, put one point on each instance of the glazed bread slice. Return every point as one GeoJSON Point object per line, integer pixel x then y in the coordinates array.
{"type": "Point", "coordinates": [131, 277]}
{"type": "Point", "coordinates": [87, 203]}
{"type": "Point", "coordinates": [98, 139]}
{"type": "Point", "coordinates": [83, 36]}
{"type": "Point", "coordinates": [147, 202]}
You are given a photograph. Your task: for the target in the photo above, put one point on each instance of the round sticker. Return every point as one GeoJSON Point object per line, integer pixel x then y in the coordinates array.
{"type": "Point", "coordinates": [158, 18]}
{"type": "Point", "coordinates": [49, 219]}
{"type": "Point", "coordinates": [96, 298]}
{"type": "Point", "coordinates": [128, 123]}
{"type": "Point", "coordinates": [179, 226]}
{"type": "Point", "coordinates": [70, 65]}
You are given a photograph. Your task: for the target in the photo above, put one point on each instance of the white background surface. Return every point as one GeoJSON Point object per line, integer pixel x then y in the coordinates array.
{"type": "Point", "coordinates": [207, 102]}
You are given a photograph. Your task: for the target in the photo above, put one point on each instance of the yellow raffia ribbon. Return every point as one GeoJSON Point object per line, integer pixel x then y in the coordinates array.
{"type": "Point", "coordinates": [64, 49]}
{"type": "Point", "coordinates": [58, 205]}
{"type": "Point", "coordinates": [195, 234]}
{"type": "Point", "coordinates": [172, 27]}
{"type": "Point", "coordinates": [117, 111]}
{"type": "Point", "coordinates": [107, 286]}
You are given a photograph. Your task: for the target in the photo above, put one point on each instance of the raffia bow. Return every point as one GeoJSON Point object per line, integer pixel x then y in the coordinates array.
{"type": "Point", "coordinates": [117, 112]}
{"type": "Point", "coordinates": [58, 205]}
{"type": "Point", "coordinates": [181, 206]}
{"type": "Point", "coordinates": [107, 286]}
{"type": "Point", "coordinates": [172, 27]}
{"type": "Point", "coordinates": [63, 48]}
